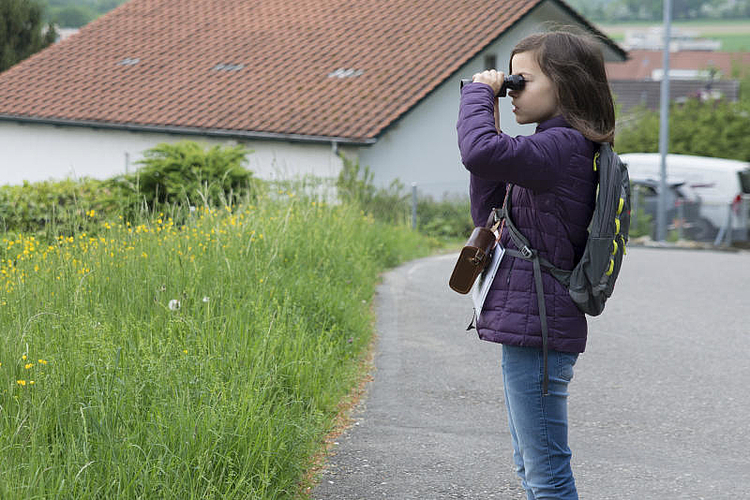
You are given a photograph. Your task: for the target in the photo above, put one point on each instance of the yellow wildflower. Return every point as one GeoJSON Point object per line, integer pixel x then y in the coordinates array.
{"type": "Point", "coordinates": [42, 362]}
{"type": "Point", "coordinates": [21, 382]}
{"type": "Point", "coordinates": [28, 365]}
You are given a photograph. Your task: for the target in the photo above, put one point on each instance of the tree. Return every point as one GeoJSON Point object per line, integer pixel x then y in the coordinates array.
{"type": "Point", "coordinates": [703, 128]}
{"type": "Point", "coordinates": [64, 10]}
{"type": "Point", "coordinates": [690, 9]}
{"type": "Point", "coordinates": [22, 32]}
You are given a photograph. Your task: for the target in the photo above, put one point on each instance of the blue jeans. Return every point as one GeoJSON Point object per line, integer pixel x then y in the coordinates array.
{"type": "Point", "coordinates": [539, 424]}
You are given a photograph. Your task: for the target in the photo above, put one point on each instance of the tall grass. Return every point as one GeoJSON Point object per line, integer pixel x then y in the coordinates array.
{"type": "Point", "coordinates": [203, 359]}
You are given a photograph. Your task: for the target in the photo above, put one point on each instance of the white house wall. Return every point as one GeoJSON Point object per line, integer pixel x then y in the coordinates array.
{"type": "Point", "coordinates": [422, 147]}
{"type": "Point", "coordinates": [37, 152]}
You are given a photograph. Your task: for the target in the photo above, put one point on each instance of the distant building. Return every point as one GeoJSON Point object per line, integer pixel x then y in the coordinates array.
{"type": "Point", "coordinates": [631, 93]}
{"type": "Point", "coordinates": [693, 73]}
{"type": "Point", "coordinates": [647, 65]}
{"type": "Point", "coordinates": [64, 33]}
{"type": "Point", "coordinates": [680, 39]}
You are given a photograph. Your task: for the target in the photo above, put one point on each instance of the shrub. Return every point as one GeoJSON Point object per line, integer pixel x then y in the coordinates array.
{"type": "Point", "coordinates": [51, 206]}
{"type": "Point", "coordinates": [172, 175]}
{"type": "Point", "coordinates": [445, 219]}
{"type": "Point", "coordinates": [186, 172]}
{"type": "Point", "coordinates": [355, 185]}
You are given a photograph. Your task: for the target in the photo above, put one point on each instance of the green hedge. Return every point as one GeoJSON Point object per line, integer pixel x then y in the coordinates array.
{"type": "Point", "coordinates": [171, 175]}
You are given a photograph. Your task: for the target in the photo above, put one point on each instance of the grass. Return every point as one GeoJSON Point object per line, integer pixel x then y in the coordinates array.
{"type": "Point", "coordinates": [203, 359]}
{"type": "Point", "coordinates": [701, 25]}
{"type": "Point", "coordinates": [733, 42]}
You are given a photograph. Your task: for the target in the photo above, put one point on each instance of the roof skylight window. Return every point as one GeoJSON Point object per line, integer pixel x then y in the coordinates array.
{"type": "Point", "coordinates": [228, 67]}
{"type": "Point", "coordinates": [129, 61]}
{"type": "Point", "coordinates": [345, 73]}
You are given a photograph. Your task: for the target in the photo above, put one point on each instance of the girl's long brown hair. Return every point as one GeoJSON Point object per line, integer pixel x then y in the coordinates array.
{"type": "Point", "coordinates": [575, 65]}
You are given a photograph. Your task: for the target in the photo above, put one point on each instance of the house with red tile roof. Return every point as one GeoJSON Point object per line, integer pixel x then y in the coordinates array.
{"type": "Point", "coordinates": [297, 82]}
{"type": "Point", "coordinates": [692, 73]}
{"type": "Point", "coordinates": [648, 64]}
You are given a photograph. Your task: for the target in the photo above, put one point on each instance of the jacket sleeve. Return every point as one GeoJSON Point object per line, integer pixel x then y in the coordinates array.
{"type": "Point", "coordinates": [532, 162]}
{"type": "Point", "coordinates": [484, 196]}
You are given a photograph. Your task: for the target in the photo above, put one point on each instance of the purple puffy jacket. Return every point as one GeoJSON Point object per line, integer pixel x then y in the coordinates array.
{"type": "Point", "coordinates": [553, 200]}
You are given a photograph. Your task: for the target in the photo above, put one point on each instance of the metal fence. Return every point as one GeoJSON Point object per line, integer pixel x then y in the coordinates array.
{"type": "Point", "coordinates": [698, 220]}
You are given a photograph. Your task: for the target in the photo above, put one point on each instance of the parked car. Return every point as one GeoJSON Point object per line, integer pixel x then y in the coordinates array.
{"type": "Point", "coordinates": [683, 208]}
{"type": "Point", "coordinates": [723, 186]}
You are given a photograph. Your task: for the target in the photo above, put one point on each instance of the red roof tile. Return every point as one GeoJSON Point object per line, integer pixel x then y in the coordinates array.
{"type": "Point", "coordinates": [330, 68]}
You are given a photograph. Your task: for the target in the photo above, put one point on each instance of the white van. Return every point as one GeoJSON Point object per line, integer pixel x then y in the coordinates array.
{"type": "Point", "coordinates": [723, 185]}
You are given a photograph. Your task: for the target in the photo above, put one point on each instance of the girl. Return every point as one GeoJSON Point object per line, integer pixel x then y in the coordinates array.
{"type": "Point", "coordinates": [566, 93]}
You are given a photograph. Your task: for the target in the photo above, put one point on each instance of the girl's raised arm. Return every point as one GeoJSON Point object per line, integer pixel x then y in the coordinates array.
{"type": "Point", "coordinates": [531, 162]}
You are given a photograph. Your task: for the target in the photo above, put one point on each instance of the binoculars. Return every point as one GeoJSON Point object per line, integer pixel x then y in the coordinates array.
{"type": "Point", "coordinates": [511, 82]}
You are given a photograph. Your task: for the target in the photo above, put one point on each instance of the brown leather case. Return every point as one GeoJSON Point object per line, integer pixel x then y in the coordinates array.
{"type": "Point", "coordinates": [472, 260]}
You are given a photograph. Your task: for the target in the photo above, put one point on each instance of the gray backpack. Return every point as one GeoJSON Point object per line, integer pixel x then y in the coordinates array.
{"type": "Point", "coordinates": [592, 281]}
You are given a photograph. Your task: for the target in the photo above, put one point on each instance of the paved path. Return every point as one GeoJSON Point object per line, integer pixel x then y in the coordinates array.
{"type": "Point", "coordinates": [659, 405]}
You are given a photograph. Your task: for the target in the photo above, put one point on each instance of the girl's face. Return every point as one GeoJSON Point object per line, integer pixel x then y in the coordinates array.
{"type": "Point", "coordinates": [537, 101]}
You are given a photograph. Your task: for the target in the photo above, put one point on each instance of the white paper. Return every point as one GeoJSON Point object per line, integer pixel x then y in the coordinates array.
{"type": "Point", "coordinates": [484, 281]}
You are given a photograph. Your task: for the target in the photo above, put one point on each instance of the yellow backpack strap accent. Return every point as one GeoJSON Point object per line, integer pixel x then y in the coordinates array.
{"type": "Point", "coordinates": [611, 267]}
{"type": "Point", "coordinates": [596, 157]}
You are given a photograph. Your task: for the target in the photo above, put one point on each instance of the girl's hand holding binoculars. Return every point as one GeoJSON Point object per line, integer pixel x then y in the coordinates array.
{"type": "Point", "coordinates": [491, 77]}
{"type": "Point", "coordinates": [494, 79]}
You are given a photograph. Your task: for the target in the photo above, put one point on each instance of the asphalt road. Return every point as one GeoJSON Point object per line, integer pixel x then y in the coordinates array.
{"type": "Point", "coordinates": [659, 405]}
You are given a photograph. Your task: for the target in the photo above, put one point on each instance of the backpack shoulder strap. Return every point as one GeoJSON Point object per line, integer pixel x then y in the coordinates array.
{"type": "Point", "coordinates": [527, 253]}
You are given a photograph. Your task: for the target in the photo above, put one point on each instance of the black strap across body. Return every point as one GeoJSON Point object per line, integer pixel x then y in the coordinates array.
{"type": "Point", "coordinates": [524, 251]}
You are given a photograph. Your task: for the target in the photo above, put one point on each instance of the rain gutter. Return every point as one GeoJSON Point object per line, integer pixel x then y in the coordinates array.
{"type": "Point", "coordinates": [197, 131]}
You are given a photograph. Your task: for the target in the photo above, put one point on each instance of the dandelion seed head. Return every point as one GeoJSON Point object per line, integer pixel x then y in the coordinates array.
{"type": "Point", "coordinates": [174, 305]}
{"type": "Point", "coordinates": [206, 299]}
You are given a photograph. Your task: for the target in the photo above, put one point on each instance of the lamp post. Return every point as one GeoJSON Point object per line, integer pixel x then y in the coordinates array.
{"type": "Point", "coordinates": [661, 213]}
